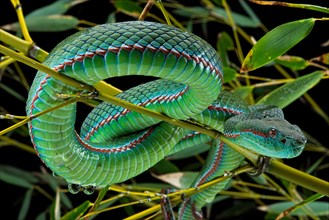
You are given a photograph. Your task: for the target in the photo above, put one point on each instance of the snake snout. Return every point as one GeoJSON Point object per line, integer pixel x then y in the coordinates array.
{"type": "Point", "coordinates": [300, 141]}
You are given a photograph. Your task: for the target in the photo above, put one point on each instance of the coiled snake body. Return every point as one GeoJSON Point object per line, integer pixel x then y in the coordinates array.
{"type": "Point", "coordinates": [116, 144]}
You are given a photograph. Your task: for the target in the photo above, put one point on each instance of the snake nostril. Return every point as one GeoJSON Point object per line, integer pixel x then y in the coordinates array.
{"type": "Point", "coordinates": [283, 141]}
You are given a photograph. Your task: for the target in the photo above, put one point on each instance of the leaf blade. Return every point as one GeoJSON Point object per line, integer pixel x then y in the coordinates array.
{"type": "Point", "coordinates": [276, 42]}
{"type": "Point", "coordinates": [291, 91]}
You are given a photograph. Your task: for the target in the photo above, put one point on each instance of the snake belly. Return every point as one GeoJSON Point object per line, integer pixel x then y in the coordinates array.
{"type": "Point", "coordinates": [117, 144]}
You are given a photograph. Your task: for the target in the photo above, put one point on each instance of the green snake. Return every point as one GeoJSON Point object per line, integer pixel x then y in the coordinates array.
{"type": "Point", "coordinates": [116, 144]}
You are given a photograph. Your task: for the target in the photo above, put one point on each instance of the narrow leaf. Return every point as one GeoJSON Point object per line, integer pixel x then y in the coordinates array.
{"type": "Point", "coordinates": [243, 91]}
{"type": "Point", "coordinates": [16, 177]}
{"type": "Point", "coordinates": [192, 12]}
{"type": "Point", "coordinates": [292, 62]}
{"type": "Point", "coordinates": [111, 18]}
{"type": "Point", "coordinates": [181, 180]}
{"type": "Point", "coordinates": [229, 74]}
{"type": "Point", "coordinates": [77, 212]}
{"type": "Point", "coordinates": [277, 42]}
{"type": "Point", "coordinates": [291, 91]}
{"type": "Point", "coordinates": [42, 215]}
{"type": "Point", "coordinates": [318, 207]}
{"type": "Point", "coordinates": [58, 7]}
{"type": "Point", "coordinates": [25, 205]}
{"type": "Point", "coordinates": [249, 11]}
{"type": "Point", "coordinates": [51, 23]}
{"type": "Point", "coordinates": [239, 19]}
{"type": "Point", "coordinates": [129, 7]}
{"type": "Point", "coordinates": [224, 44]}
{"type": "Point", "coordinates": [164, 166]}
{"type": "Point", "coordinates": [302, 204]}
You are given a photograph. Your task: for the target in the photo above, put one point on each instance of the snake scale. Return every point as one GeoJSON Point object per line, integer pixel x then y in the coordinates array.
{"type": "Point", "coordinates": [116, 144]}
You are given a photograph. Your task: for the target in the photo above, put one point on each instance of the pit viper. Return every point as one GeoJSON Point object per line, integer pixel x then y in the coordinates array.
{"type": "Point", "coordinates": [116, 144]}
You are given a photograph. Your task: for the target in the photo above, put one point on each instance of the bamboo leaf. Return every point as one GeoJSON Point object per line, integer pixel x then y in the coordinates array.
{"type": "Point", "coordinates": [318, 207]}
{"type": "Point", "coordinates": [164, 166]}
{"type": "Point", "coordinates": [229, 74]}
{"type": "Point", "coordinates": [25, 205]}
{"type": "Point", "coordinates": [181, 180]}
{"type": "Point", "coordinates": [129, 7]}
{"type": "Point", "coordinates": [249, 11]}
{"type": "Point", "coordinates": [239, 19]}
{"type": "Point", "coordinates": [58, 7]}
{"type": "Point", "coordinates": [291, 91]}
{"type": "Point", "coordinates": [111, 18]}
{"type": "Point", "coordinates": [78, 211]}
{"type": "Point", "coordinates": [50, 23]}
{"type": "Point", "coordinates": [224, 44]}
{"type": "Point", "coordinates": [17, 177]}
{"type": "Point", "coordinates": [277, 42]}
{"type": "Point", "coordinates": [243, 91]}
{"type": "Point", "coordinates": [192, 12]}
{"type": "Point", "coordinates": [292, 62]}
{"type": "Point", "coordinates": [42, 215]}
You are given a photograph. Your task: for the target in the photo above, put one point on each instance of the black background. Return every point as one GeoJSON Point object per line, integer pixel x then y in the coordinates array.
{"type": "Point", "coordinates": [97, 11]}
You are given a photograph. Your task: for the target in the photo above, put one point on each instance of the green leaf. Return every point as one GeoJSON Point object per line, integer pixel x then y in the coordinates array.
{"type": "Point", "coordinates": [58, 7]}
{"type": "Point", "coordinates": [239, 19]}
{"type": "Point", "coordinates": [17, 177]}
{"type": "Point", "coordinates": [229, 74]}
{"type": "Point", "coordinates": [129, 7]}
{"type": "Point", "coordinates": [129, 210]}
{"type": "Point", "coordinates": [180, 180]}
{"type": "Point", "coordinates": [250, 12]}
{"type": "Point", "coordinates": [77, 212]}
{"type": "Point", "coordinates": [111, 18]}
{"type": "Point", "coordinates": [50, 23]}
{"type": "Point", "coordinates": [224, 44]}
{"type": "Point", "coordinates": [259, 179]}
{"type": "Point", "coordinates": [243, 91]}
{"type": "Point", "coordinates": [291, 91]}
{"type": "Point", "coordinates": [164, 166]}
{"type": "Point", "coordinates": [190, 152]}
{"type": "Point", "coordinates": [65, 200]}
{"type": "Point", "coordinates": [42, 215]}
{"type": "Point", "coordinates": [292, 62]}
{"type": "Point", "coordinates": [25, 205]}
{"type": "Point", "coordinates": [192, 12]}
{"type": "Point", "coordinates": [318, 207]}
{"type": "Point", "coordinates": [277, 42]}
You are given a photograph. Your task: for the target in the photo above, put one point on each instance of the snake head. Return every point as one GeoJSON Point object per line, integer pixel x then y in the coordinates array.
{"type": "Point", "coordinates": [269, 136]}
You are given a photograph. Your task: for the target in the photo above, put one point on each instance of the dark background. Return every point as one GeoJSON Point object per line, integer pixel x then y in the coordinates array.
{"type": "Point", "coordinates": [97, 11]}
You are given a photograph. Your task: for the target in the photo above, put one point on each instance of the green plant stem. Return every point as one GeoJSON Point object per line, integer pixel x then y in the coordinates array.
{"type": "Point", "coordinates": [300, 178]}
{"type": "Point", "coordinates": [15, 42]}
{"type": "Point", "coordinates": [34, 64]}
{"type": "Point", "coordinates": [285, 172]}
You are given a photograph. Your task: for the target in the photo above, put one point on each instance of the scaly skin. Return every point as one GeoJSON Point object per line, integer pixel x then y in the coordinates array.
{"type": "Point", "coordinates": [116, 144]}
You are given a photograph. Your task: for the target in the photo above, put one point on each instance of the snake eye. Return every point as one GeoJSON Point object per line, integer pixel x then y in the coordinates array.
{"type": "Point", "coordinates": [272, 133]}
